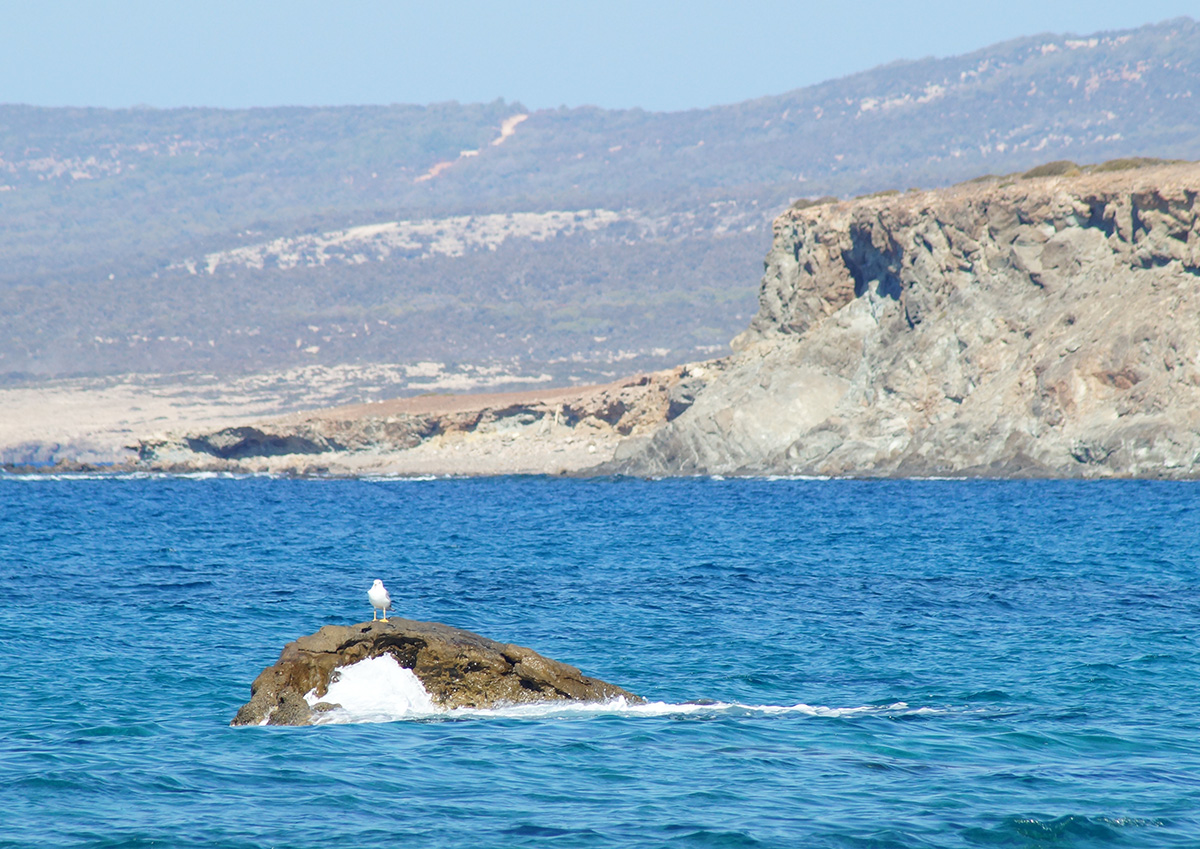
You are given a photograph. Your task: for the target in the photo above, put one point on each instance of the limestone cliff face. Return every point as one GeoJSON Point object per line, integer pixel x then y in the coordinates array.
{"type": "Point", "coordinates": [1045, 326]}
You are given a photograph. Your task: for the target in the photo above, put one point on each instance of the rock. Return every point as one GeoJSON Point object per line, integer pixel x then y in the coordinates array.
{"type": "Point", "coordinates": [545, 431]}
{"type": "Point", "coordinates": [456, 667]}
{"type": "Point", "coordinates": [1034, 327]}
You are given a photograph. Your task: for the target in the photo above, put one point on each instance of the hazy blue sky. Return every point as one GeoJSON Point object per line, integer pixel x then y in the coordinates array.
{"type": "Point", "coordinates": [656, 55]}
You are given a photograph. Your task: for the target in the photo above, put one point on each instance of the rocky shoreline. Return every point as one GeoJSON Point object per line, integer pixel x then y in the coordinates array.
{"type": "Point", "coordinates": [563, 431]}
{"type": "Point", "coordinates": [1041, 325]}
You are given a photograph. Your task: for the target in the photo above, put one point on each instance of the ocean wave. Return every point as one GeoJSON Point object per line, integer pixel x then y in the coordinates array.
{"type": "Point", "coordinates": [1067, 828]}
{"type": "Point", "coordinates": [378, 689]}
{"type": "Point", "coordinates": [405, 478]}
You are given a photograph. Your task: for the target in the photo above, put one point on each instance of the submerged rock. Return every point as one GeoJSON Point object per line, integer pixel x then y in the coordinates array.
{"type": "Point", "coordinates": [457, 668]}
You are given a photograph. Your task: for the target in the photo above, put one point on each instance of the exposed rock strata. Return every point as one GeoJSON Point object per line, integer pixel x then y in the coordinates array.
{"type": "Point", "coordinates": [547, 431]}
{"type": "Point", "coordinates": [1042, 327]}
{"type": "Point", "coordinates": [457, 668]}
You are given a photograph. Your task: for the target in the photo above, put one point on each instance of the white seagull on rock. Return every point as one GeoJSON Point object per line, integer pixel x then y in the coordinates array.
{"type": "Point", "coordinates": [379, 598]}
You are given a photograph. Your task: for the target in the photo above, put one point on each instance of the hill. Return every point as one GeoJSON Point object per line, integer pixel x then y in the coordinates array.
{"type": "Point", "coordinates": [572, 245]}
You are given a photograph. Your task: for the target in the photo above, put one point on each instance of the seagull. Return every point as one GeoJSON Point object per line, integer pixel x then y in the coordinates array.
{"type": "Point", "coordinates": [379, 598]}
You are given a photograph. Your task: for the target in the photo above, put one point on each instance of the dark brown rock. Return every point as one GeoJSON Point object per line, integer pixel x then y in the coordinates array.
{"type": "Point", "coordinates": [458, 668]}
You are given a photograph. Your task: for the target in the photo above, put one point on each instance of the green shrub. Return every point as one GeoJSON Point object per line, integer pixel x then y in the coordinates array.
{"type": "Point", "coordinates": [886, 193]}
{"type": "Point", "coordinates": [805, 203]}
{"type": "Point", "coordinates": [1130, 163]}
{"type": "Point", "coordinates": [982, 178]}
{"type": "Point", "coordinates": [1060, 168]}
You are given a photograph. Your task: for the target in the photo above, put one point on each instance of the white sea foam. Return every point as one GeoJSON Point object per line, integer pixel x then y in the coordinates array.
{"type": "Point", "coordinates": [379, 689]}
{"type": "Point", "coordinates": [404, 478]}
{"type": "Point", "coordinates": [122, 476]}
{"type": "Point", "coordinates": [57, 476]}
{"type": "Point", "coordinates": [621, 707]}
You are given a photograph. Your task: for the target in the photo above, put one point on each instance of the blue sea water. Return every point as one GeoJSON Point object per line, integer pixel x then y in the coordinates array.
{"type": "Point", "coordinates": [891, 663]}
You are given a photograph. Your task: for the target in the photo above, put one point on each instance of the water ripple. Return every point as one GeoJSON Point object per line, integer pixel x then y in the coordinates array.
{"type": "Point", "coordinates": [828, 663]}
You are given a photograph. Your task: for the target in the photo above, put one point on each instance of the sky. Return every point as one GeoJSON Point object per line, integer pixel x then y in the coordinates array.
{"type": "Point", "coordinates": [652, 54]}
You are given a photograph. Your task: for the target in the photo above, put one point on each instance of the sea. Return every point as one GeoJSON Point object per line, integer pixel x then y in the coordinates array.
{"type": "Point", "coordinates": [826, 663]}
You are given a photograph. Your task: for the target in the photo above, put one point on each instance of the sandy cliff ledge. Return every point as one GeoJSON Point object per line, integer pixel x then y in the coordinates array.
{"type": "Point", "coordinates": [544, 431]}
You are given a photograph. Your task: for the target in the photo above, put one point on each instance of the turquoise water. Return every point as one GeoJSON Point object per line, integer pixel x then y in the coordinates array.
{"type": "Point", "coordinates": [890, 664]}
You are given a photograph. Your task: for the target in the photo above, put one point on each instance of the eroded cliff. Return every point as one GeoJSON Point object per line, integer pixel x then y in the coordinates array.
{"type": "Point", "coordinates": [1045, 326]}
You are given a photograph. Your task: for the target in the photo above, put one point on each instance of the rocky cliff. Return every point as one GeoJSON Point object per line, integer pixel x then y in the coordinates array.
{"type": "Point", "coordinates": [457, 668]}
{"type": "Point", "coordinates": [1041, 326]}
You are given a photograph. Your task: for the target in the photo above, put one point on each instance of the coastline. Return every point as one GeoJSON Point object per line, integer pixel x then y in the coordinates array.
{"type": "Point", "coordinates": [1041, 327]}
{"type": "Point", "coordinates": [125, 429]}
